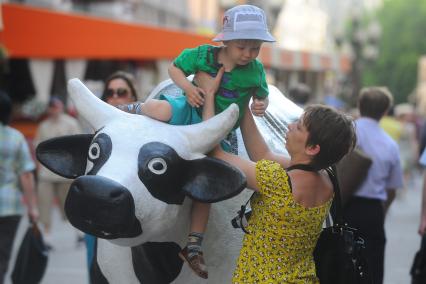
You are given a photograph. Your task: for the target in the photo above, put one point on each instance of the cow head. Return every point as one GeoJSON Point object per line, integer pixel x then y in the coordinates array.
{"type": "Point", "coordinates": [133, 174]}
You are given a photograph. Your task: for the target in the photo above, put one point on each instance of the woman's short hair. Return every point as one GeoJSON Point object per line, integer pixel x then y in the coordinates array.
{"type": "Point", "coordinates": [374, 101]}
{"type": "Point", "coordinates": [5, 108]}
{"type": "Point", "coordinates": [125, 76]}
{"type": "Point", "coordinates": [332, 130]}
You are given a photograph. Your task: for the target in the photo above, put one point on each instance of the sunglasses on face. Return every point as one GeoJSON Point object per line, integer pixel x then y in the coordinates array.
{"type": "Point", "coordinates": [121, 92]}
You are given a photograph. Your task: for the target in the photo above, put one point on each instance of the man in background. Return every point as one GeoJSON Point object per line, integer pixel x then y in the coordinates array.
{"type": "Point", "coordinates": [366, 210]}
{"type": "Point", "coordinates": [51, 185]}
{"type": "Point", "coordinates": [16, 178]}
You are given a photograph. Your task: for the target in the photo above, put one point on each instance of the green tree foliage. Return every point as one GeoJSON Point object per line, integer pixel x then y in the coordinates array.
{"type": "Point", "coordinates": [402, 43]}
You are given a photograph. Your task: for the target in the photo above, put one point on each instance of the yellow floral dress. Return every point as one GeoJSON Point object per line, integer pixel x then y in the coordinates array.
{"type": "Point", "coordinates": [282, 235]}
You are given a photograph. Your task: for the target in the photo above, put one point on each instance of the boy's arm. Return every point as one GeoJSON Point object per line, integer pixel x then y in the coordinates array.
{"type": "Point", "coordinates": [194, 94]}
{"type": "Point", "coordinates": [260, 98]}
{"type": "Point", "coordinates": [255, 144]}
{"type": "Point", "coordinates": [259, 106]}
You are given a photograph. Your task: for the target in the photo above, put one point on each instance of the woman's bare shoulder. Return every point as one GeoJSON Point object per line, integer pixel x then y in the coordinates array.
{"type": "Point", "coordinates": [311, 189]}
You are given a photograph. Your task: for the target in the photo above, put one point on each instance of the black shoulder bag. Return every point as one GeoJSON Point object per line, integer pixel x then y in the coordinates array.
{"type": "Point", "coordinates": [338, 254]}
{"type": "Point", "coordinates": [31, 261]}
{"type": "Point", "coordinates": [418, 269]}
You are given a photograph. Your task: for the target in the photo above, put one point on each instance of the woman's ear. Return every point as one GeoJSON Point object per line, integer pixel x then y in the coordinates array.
{"type": "Point", "coordinates": [312, 150]}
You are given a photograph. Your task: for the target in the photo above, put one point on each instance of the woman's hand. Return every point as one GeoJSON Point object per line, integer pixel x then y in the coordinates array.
{"type": "Point", "coordinates": [209, 84]}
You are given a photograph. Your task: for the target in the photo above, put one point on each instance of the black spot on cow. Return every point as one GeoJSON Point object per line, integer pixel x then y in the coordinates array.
{"type": "Point", "coordinates": [170, 178]}
{"type": "Point", "coordinates": [162, 172]}
{"type": "Point", "coordinates": [157, 263]}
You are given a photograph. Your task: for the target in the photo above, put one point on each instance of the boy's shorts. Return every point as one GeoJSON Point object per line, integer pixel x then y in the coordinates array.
{"type": "Point", "coordinates": [182, 112]}
{"type": "Point", "coordinates": [185, 114]}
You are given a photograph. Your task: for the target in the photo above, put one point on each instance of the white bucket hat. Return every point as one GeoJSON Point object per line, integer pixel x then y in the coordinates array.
{"type": "Point", "coordinates": [244, 22]}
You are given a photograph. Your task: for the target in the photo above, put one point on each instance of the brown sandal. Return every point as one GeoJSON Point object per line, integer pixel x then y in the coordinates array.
{"type": "Point", "coordinates": [196, 262]}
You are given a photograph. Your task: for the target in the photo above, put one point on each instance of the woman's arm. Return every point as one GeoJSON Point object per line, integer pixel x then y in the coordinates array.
{"type": "Point", "coordinates": [256, 146]}
{"type": "Point", "coordinates": [210, 86]}
{"type": "Point", "coordinates": [246, 166]}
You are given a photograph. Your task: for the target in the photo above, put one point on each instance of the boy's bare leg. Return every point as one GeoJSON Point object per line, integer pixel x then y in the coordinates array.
{"type": "Point", "coordinates": [199, 216]}
{"type": "Point", "coordinates": [192, 252]}
{"type": "Point", "coordinates": [153, 108]}
{"type": "Point", "coordinates": [157, 109]}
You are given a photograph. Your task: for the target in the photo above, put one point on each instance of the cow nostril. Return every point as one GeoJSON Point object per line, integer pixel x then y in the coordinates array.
{"type": "Point", "coordinates": [115, 194]}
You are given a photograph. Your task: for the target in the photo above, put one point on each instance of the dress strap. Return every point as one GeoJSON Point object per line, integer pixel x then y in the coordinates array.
{"type": "Point", "coordinates": [303, 167]}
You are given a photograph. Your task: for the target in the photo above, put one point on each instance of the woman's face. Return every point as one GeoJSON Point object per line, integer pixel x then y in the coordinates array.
{"type": "Point", "coordinates": [296, 137]}
{"type": "Point", "coordinates": [118, 93]}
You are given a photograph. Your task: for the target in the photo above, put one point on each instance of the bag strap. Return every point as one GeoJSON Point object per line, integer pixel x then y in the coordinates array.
{"type": "Point", "coordinates": [242, 213]}
{"type": "Point", "coordinates": [336, 206]}
{"type": "Point", "coordinates": [303, 167]}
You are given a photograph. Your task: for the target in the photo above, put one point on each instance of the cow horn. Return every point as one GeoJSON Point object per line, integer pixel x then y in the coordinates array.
{"type": "Point", "coordinates": [96, 112]}
{"type": "Point", "coordinates": [205, 135]}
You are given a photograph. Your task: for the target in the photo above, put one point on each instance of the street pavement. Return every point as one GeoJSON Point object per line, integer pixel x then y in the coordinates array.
{"type": "Point", "coordinates": [67, 262]}
{"type": "Point", "coordinates": [401, 231]}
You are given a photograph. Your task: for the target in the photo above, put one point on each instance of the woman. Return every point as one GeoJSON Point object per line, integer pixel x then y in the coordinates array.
{"type": "Point", "coordinates": [119, 89]}
{"type": "Point", "coordinates": [293, 196]}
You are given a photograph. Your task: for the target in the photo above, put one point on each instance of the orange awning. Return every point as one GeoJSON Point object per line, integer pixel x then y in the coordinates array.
{"type": "Point", "coordinates": [30, 32]}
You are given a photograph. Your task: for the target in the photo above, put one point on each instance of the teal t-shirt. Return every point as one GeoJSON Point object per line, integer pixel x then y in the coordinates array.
{"type": "Point", "coordinates": [237, 86]}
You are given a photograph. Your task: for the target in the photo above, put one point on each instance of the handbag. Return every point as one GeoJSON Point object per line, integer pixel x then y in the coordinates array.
{"type": "Point", "coordinates": [243, 216]}
{"type": "Point", "coordinates": [31, 261]}
{"type": "Point", "coordinates": [338, 254]}
{"type": "Point", "coordinates": [352, 171]}
{"type": "Point", "coordinates": [418, 269]}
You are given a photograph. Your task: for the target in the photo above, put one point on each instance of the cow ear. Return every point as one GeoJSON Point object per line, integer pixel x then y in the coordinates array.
{"type": "Point", "coordinates": [65, 155]}
{"type": "Point", "coordinates": [211, 180]}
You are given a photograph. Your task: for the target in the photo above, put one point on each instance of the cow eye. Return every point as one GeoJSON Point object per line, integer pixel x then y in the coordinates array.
{"type": "Point", "coordinates": [94, 151]}
{"type": "Point", "coordinates": [157, 166]}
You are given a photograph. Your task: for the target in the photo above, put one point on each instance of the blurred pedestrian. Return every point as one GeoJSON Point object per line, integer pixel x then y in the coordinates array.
{"type": "Point", "coordinates": [300, 94]}
{"type": "Point", "coordinates": [16, 178]}
{"type": "Point", "coordinates": [422, 227]}
{"type": "Point", "coordinates": [391, 125]}
{"type": "Point", "coordinates": [51, 186]}
{"type": "Point", "coordinates": [366, 210]}
{"type": "Point", "coordinates": [408, 145]}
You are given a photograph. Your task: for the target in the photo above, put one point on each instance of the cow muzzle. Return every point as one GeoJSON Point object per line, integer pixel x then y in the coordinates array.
{"type": "Point", "coordinates": [102, 207]}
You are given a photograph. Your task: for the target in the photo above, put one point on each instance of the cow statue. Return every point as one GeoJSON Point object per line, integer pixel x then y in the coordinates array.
{"type": "Point", "coordinates": [132, 180]}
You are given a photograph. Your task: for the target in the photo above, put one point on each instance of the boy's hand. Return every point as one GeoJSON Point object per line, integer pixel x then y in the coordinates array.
{"type": "Point", "coordinates": [195, 96]}
{"type": "Point", "coordinates": [259, 105]}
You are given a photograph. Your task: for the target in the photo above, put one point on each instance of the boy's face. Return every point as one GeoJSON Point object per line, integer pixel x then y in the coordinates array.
{"type": "Point", "coordinates": [242, 52]}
